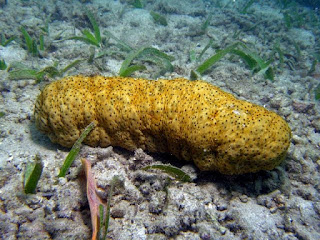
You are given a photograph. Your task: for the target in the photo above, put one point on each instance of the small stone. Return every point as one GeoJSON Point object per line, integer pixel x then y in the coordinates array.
{"type": "Point", "coordinates": [273, 210]}
{"type": "Point", "coordinates": [117, 213]}
{"type": "Point", "coordinates": [243, 198]}
{"type": "Point", "coordinates": [222, 206]}
{"type": "Point", "coordinates": [302, 107]}
{"type": "Point", "coordinates": [316, 124]}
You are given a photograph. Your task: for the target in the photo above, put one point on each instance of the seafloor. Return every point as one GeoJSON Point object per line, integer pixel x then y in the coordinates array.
{"type": "Point", "coordinates": [278, 204]}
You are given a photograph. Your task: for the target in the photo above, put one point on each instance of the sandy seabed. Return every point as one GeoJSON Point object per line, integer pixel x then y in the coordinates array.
{"type": "Point", "coordinates": [278, 204]}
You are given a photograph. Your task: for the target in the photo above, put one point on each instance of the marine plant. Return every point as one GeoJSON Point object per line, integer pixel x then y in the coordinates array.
{"type": "Point", "coordinates": [210, 61]}
{"type": "Point", "coordinates": [175, 172]}
{"type": "Point", "coordinates": [94, 56]}
{"type": "Point", "coordinates": [5, 42]}
{"type": "Point", "coordinates": [3, 65]}
{"type": "Point", "coordinates": [105, 218]}
{"type": "Point", "coordinates": [18, 71]}
{"type": "Point", "coordinates": [205, 25]}
{"type": "Point", "coordinates": [294, 18]}
{"type": "Point", "coordinates": [45, 28]}
{"type": "Point", "coordinates": [120, 44]}
{"type": "Point", "coordinates": [315, 61]}
{"type": "Point", "coordinates": [33, 45]}
{"type": "Point", "coordinates": [157, 18]}
{"type": "Point", "coordinates": [313, 67]}
{"type": "Point", "coordinates": [317, 92]}
{"type": "Point", "coordinates": [75, 150]}
{"type": "Point", "coordinates": [146, 54]}
{"type": "Point", "coordinates": [45, 31]}
{"type": "Point", "coordinates": [30, 43]}
{"type": "Point", "coordinates": [137, 3]}
{"type": "Point", "coordinates": [283, 57]}
{"type": "Point", "coordinates": [193, 56]}
{"type": "Point", "coordinates": [253, 60]}
{"type": "Point", "coordinates": [32, 175]}
{"type": "Point", "coordinates": [285, 3]}
{"type": "Point", "coordinates": [278, 49]}
{"type": "Point", "coordinates": [246, 6]}
{"type": "Point", "coordinates": [88, 37]}
{"type": "Point", "coordinates": [256, 63]}
{"type": "Point", "coordinates": [202, 28]}
{"type": "Point", "coordinates": [205, 49]}
{"type": "Point", "coordinates": [236, 34]}
{"type": "Point", "coordinates": [298, 50]}
{"type": "Point", "coordinates": [26, 73]}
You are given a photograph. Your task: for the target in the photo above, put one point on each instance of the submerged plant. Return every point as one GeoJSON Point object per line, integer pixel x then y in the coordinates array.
{"type": "Point", "coordinates": [247, 5]}
{"type": "Point", "coordinates": [298, 50]}
{"type": "Point", "coordinates": [137, 3]}
{"type": "Point", "coordinates": [32, 175]}
{"type": "Point", "coordinates": [193, 55]}
{"type": "Point", "coordinates": [317, 92]}
{"type": "Point", "coordinates": [147, 54]}
{"type": "Point", "coordinates": [35, 74]}
{"type": "Point", "coordinates": [278, 49]}
{"type": "Point", "coordinates": [45, 28]}
{"type": "Point", "coordinates": [75, 150]}
{"type": "Point", "coordinates": [88, 37]}
{"type": "Point", "coordinates": [31, 44]}
{"type": "Point", "coordinates": [315, 61]}
{"type": "Point", "coordinates": [313, 67]}
{"type": "Point", "coordinates": [294, 18]}
{"type": "Point", "coordinates": [287, 19]}
{"type": "Point", "coordinates": [206, 24]}
{"type": "Point", "coordinates": [19, 71]}
{"type": "Point", "coordinates": [120, 44]}
{"type": "Point", "coordinates": [285, 3]}
{"type": "Point", "coordinates": [210, 61]}
{"type": "Point", "coordinates": [95, 56]}
{"type": "Point", "coordinates": [3, 65]}
{"type": "Point", "coordinates": [176, 173]}
{"type": "Point", "coordinates": [254, 61]}
{"type": "Point", "coordinates": [157, 18]}
{"type": "Point", "coordinates": [5, 42]}
{"type": "Point", "coordinates": [104, 214]}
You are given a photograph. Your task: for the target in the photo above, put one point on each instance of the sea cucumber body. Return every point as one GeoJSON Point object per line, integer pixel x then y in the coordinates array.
{"type": "Point", "coordinates": [192, 120]}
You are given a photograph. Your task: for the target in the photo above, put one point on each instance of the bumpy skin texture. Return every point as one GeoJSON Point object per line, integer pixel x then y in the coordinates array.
{"type": "Point", "coordinates": [193, 120]}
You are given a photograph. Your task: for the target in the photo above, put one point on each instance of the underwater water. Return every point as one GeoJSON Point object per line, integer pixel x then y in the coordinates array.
{"type": "Point", "coordinates": [310, 3]}
{"type": "Point", "coordinates": [263, 52]}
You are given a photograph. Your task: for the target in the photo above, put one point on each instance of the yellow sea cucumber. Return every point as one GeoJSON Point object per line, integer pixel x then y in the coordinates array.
{"type": "Point", "coordinates": [192, 120]}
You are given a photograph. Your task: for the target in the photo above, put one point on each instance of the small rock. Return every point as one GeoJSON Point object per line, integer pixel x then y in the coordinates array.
{"type": "Point", "coordinates": [243, 198]}
{"type": "Point", "coordinates": [302, 107]}
{"type": "Point", "coordinates": [316, 124]}
{"type": "Point", "coordinates": [221, 206]}
{"type": "Point", "coordinates": [118, 213]}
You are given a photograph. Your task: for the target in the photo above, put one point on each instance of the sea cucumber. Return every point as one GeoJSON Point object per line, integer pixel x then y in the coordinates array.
{"type": "Point", "coordinates": [193, 120]}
